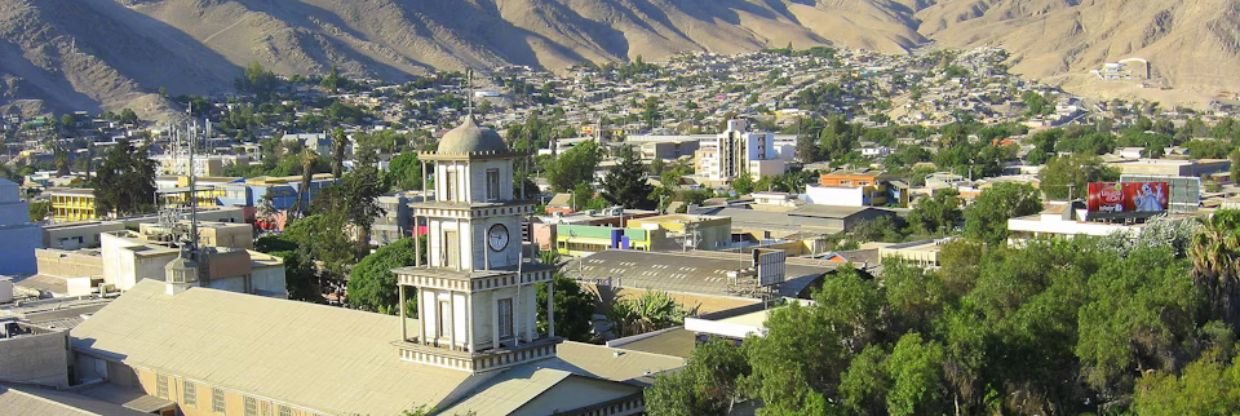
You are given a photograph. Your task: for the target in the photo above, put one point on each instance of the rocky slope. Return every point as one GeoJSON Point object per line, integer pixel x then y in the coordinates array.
{"type": "Point", "coordinates": [91, 54]}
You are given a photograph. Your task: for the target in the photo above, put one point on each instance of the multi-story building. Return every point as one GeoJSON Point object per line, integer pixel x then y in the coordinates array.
{"type": "Point", "coordinates": [72, 205]}
{"type": "Point", "coordinates": [18, 236]}
{"type": "Point", "coordinates": [738, 152]}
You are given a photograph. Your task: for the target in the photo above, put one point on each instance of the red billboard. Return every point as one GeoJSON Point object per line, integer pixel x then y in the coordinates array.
{"type": "Point", "coordinates": [1128, 198]}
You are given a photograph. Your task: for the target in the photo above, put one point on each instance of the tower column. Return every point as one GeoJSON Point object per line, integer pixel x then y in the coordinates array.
{"type": "Point", "coordinates": [452, 315]}
{"type": "Point", "coordinates": [423, 318]}
{"type": "Point", "coordinates": [551, 308]}
{"type": "Point", "coordinates": [469, 329]}
{"type": "Point", "coordinates": [404, 329]}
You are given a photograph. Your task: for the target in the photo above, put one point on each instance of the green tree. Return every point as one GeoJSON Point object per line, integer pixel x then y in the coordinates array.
{"type": "Point", "coordinates": [372, 285]}
{"type": "Point", "coordinates": [258, 81]}
{"type": "Point", "coordinates": [405, 172]}
{"type": "Point", "coordinates": [625, 184]}
{"type": "Point", "coordinates": [340, 142]}
{"type": "Point", "coordinates": [1235, 164]}
{"type": "Point", "coordinates": [915, 367]}
{"type": "Point", "coordinates": [743, 185]}
{"type": "Point", "coordinates": [1064, 176]}
{"type": "Point", "coordinates": [1037, 104]}
{"type": "Point", "coordinates": [38, 210]}
{"type": "Point", "coordinates": [986, 219]}
{"type": "Point", "coordinates": [708, 384]}
{"type": "Point", "coordinates": [1208, 386]}
{"type": "Point", "coordinates": [574, 309]}
{"type": "Point", "coordinates": [357, 195]}
{"type": "Point", "coordinates": [125, 181]}
{"type": "Point", "coordinates": [1143, 310]}
{"type": "Point", "coordinates": [648, 312]}
{"type": "Point", "coordinates": [1215, 255]}
{"type": "Point", "coordinates": [576, 165]}
{"type": "Point", "coordinates": [938, 214]}
{"type": "Point", "coordinates": [865, 384]}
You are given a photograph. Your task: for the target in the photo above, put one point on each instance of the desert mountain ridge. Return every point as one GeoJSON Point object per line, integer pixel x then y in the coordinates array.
{"type": "Point", "coordinates": [104, 54]}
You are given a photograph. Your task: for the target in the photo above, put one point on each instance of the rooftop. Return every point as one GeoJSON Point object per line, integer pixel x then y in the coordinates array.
{"type": "Point", "coordinates": [329, 359]}
{"type": "Point", "coordinates": [699, 272]}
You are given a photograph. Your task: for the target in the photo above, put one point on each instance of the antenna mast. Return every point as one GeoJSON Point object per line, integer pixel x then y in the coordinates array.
{"type": "Point", "coordinates": [469, 91]}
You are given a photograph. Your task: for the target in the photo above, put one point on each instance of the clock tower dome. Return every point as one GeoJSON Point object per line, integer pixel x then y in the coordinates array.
{"type": "Point", "coordinates": [477, 309]}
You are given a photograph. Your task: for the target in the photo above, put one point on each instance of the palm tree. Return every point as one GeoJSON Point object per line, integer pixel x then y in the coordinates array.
{"type": "Point", "coordinates": [649, 312]}
{"type": "Point", "coordinates": [308, 159]}
{"type": "Point", "coordinates": [1215, 254]}
{"type": "Point", "coordinates": [340, 142]}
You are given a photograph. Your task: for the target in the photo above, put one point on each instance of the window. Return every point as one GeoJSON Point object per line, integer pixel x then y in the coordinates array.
{"type": "Point", "coordinates": [505, 318]}
{"type": "Point", "coordinates": [161, 386]}
{"type": "Point", "coordinates": [492, 184]}
{"type": "Point", "coordinates": [285, 411]}
{"type": "Point", "coordinates": [251, 406]}
{"type": "Point", "coordinates": [449, 186]}
{"type": "Point", "coordinates": [190, 394]}
{"type": "Point", "coordinates": [441, 320]}
{"type": "Point", "coordinates": [217, 400]}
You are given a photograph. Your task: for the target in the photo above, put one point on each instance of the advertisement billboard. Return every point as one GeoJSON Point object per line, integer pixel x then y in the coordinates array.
{"type": "Point", "coordinates": [1127, 199]}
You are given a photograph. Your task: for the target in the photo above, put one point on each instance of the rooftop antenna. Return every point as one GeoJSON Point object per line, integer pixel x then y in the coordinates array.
{"type": "Point", "coordinates": [193, 194]}
{"type": "Point", "coordinates": [469, 91]}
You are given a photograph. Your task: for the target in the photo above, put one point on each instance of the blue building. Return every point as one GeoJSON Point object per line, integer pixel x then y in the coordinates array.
{"type": "Point", "coordinates": [284, 191]}
{"type": "Point", "coordinates": [18, 236]}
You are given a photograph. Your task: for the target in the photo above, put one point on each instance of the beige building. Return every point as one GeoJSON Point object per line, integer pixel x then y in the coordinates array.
{"type": "Point", "coordinates": [476, 348]}
{"type": "Point", "coordinates": [129, 257]}
{"type": "Point", "coordinates": [63, 273]}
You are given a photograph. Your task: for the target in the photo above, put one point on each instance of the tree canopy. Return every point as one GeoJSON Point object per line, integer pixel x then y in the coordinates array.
{"type": "Point", "coordinates": [625, 185]}
{"type": "Point", "coordinates": [1088, 325]}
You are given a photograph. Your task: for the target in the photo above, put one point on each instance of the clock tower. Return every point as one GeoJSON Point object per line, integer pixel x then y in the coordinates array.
{"type": "Point", "coordinates": [477, 308]}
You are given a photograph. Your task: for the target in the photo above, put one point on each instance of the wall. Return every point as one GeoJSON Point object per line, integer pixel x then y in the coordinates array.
{"type": "Point", "coordinates": [79, 235]}
{"type": "Point", "coordinates": [69, 263]}
{"type": "Point", "coordinates": [831, 195]}
{"type": "Point", "coordinates": [17, 245]}
{"type": "Point", "coordinates": [269, 281]}
{"type": "Point", "coordinates": [234, 401]}
{"type": "Point", "coordinates": [37, 359]}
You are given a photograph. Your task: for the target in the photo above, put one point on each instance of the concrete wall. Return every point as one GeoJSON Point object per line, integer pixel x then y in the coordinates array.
{"type": "Point", "coordinates": [36, 358]}
{"type": "Point", "coordinates": [79, 235]}
{"type": "Point", "coordinates": [69, 263]}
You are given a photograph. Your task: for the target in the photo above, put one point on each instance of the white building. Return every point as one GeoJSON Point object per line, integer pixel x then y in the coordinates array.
{"type": "Point", "coordinates": [128, 259]}
{"type": "Point", "coordinates": [1060, 220]}
{"type": "Point", "coordinates": [736, 152]}
{"type": "Point", "coordinates": [18, 236]}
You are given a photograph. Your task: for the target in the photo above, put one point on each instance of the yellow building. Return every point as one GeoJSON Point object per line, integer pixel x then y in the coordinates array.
{"type": "Point", "coordinates": [72, 205]}
{"type": "Point", "coordinates": [703, 232]}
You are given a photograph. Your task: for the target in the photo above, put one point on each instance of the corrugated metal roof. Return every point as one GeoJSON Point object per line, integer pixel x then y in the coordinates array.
{"type": "Point", "coordinates": [319, 357]}
{"type": "Point", "coordinates": [45, 402]}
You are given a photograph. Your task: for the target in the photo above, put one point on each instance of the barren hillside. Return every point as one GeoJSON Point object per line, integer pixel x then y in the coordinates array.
{"type": "Point", "coordinates": [91, 54]}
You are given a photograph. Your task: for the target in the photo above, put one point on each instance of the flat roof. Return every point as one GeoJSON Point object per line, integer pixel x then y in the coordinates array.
{"type": "Point", "coordinates": [696, 272]}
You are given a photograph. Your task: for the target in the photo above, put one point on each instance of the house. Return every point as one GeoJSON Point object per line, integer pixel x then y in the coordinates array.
{"type": "Point", "coordinates": [18, 236]}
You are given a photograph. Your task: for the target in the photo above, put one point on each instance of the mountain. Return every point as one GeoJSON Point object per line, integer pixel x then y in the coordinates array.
{"type": "Point", "coordinates": [91, 54]}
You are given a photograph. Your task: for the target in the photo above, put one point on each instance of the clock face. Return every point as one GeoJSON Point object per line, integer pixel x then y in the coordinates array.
{"type": "Point", "coordinates": [497, 237]}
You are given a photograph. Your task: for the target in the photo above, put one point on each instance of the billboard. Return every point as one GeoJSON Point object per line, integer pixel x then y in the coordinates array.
{"type": "Point", "coordinates": [770, 266]}
{"type": "Point", "coordinates": [1127, 199]}
{"type": "Point", "coordinates": [1185, 190]}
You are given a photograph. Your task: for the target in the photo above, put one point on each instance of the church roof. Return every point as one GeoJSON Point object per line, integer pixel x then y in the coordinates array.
{"type": "Point", "coordinates": [328, 359]}
{"type": "Point", "coordinates": [469, 139]}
